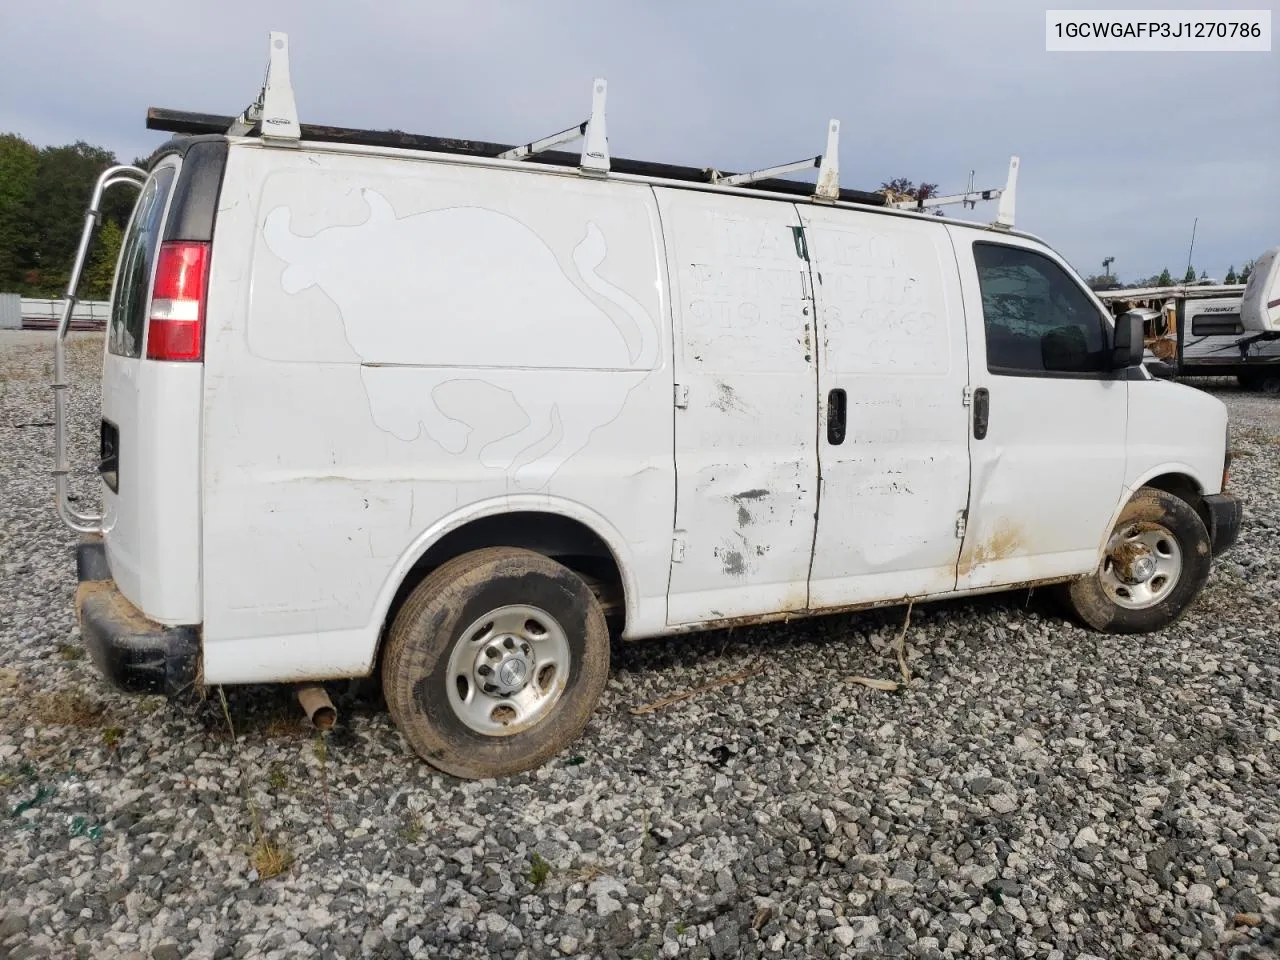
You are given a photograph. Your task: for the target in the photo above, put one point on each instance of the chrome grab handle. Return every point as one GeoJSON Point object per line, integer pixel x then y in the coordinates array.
{"type": "Point", "coordinates": [79, 522]}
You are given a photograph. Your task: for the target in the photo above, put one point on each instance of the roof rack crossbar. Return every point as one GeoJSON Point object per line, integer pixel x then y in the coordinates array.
{"type": "Point", "coordinates": [738, 179]}
{"type": "Point", "coordinates": [595, 146]}
{"type": "Point", "coordinates": [828, 166]}
{"type": "Point", "coordinates": [274, 110]}
{"type": "Point", "coordinates": [970, 197]}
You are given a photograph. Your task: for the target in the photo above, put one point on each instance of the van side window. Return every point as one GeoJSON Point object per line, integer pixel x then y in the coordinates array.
{"type": "Point", "coordinates": [133, 277]}
{"type": "Point", "coordinates": [1039, 322]}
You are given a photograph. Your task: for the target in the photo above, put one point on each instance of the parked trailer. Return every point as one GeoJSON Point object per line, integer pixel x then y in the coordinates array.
{"type": "Point", "coordinates": [1212, 330]}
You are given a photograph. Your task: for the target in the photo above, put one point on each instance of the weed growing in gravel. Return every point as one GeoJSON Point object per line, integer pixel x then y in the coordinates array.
{"type": "Point", "coordinates": [269, 859]}
{"type": "Point", "coordinates": [539, 870]}
{"type": "Point", "coordinates": [111, 737]}
{"type": "Point", "coordinates": [412, 831]}
{"type": "Point", "coordinates": [72, 708]}
{"type": "Point", "coordinates": [322, 755]}
{"type": "Point", "coordinates": [277, 777]}
{"type": "Point", "coordinates": [149, 705]}
{"type": "Point", "coordinates": [69, 652]}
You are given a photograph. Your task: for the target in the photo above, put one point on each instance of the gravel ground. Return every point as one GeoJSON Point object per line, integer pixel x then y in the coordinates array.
{"type": "Point", "coordinates": [1037, 791]}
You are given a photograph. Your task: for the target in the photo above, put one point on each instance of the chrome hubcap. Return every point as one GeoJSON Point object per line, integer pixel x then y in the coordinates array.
{"type": "Point", "coordinates": [1142, 565]}
{"type": "Point", "coordinates": [507, 670]}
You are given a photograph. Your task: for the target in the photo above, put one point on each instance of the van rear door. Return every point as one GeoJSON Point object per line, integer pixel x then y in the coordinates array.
{"type": "Point", "coordinates": [151, 406]}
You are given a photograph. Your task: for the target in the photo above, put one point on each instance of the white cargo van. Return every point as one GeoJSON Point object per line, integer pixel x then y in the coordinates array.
{"type": "Point", "coordinates": [374, 402]}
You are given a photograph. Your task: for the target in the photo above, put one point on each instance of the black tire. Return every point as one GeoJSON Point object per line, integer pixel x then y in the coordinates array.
{"type": "Point", "coordinates": [432, 622]}
{"type": "Point", "coordinates": [1150, 508]}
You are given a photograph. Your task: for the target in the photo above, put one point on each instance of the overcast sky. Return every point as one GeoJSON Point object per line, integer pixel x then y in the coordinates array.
{"type": "Point", "coordinates": [1120, 152]}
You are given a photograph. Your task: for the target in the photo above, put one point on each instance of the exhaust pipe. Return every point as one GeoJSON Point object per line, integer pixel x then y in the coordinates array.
{"type": "Point", "coordinates": [317, 705]}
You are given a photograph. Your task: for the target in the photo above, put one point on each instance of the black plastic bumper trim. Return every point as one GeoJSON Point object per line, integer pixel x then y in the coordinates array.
{"type": "Point", "coordinates": [1225, 514]}
{"type": "Point", "coordinates": [135, 654]}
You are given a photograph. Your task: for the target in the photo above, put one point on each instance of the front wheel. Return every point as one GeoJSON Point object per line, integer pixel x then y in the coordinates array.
{"type": "Point", "coordinates": [495, 662]}
{"type": "Point", "coordinates": [1155, 564]}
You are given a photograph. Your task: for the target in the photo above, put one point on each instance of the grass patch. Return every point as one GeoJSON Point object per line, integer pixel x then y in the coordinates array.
{"type": "Point", "coordinates": [270, 859]}
{"type": "Point", "coordinates": [112, 736]}
{"type": "Point", "coordinates": [539, 870]}
{"type": "Point", "coordinates": [69, 652]}
{"type": "Point", "coordinates": [68, 708]}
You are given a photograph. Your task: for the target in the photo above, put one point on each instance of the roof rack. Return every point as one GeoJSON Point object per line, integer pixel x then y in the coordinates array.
{"type": "Point", "coordinates": [1006, 195]}
{"type": "Point", "coordinates": [273, 116]}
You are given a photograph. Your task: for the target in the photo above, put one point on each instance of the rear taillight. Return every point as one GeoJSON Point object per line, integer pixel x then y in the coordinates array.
{"type": "Point", "coordinates": [176, 331]}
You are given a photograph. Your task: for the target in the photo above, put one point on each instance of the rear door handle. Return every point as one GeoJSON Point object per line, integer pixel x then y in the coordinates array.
{"type": "Point", "coordinates": [837, 403]}
{"type": "Point", "coordinates": [981, 412]}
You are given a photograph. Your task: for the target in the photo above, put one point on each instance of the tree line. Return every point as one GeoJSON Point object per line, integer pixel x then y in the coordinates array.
{"type": "Point", "coordinates": [1164, 278]}
{"type": "Point", "coordinates": [44, 193]}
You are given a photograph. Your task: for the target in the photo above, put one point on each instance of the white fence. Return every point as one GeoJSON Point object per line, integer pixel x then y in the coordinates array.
{"type": "Point", "coordinates": [36, 314]}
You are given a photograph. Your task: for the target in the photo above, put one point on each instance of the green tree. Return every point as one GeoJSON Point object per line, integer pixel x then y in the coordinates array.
{"type": "Point", "coordinates": [904, 189]}
{"type": "Point", "coordinates": [1165, 279]}
{"type": "Point", "coordinates": [19, 161]}
{"type": "Point", "coordinates": [1231, 275]}
{"type": "Point", "coordinates": [1102, 281]}
{"type": "Point", "coordinates": [1190, 275]}
{"type": "Point", "coordinates": [56, 206]}
{"type": "Point", "coordinates": [96, 282]}
{"type": "Point", "coordinates": [1245, 271]}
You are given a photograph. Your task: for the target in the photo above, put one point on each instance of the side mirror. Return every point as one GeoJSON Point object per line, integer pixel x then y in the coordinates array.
{"type": "Point", "coordinates": [1127, 348]}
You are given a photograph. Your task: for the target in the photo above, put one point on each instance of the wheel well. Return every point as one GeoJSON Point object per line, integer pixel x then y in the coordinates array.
{"type": "Point", "coordinates": [567, 541]}
{"type": "Point", "coordinates": [1184, 488]}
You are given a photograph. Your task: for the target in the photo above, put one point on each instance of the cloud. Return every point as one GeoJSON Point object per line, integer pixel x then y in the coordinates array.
{"type": "Point", "coordinates": [1120, 151]}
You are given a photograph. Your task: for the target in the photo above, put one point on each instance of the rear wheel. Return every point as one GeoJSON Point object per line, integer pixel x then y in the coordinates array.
{"type": "Point", "coordinates": [495, 662]}
{"type": "Point", "coordinates": [1155, 564]}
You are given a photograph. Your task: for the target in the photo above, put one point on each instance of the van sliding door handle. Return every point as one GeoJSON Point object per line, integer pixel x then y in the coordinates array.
{"type": "Point", "coordinates": [981, 412]}
{"type": "Point", "coordinates": [837, 403]}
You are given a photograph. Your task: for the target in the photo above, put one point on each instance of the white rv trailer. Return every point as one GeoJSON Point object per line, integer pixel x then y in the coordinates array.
{"type": "Point", "coordinates": [1196, 330]}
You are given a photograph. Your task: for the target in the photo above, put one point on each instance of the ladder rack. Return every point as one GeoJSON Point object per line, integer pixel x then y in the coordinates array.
{"type": "Point", "coordinates": [273, 116]}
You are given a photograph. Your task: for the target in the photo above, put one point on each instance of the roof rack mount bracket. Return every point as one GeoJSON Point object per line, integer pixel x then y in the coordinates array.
{"type": "Point", "coordinates": [595, 139]}
{"type": "Point", "coordinates": [274, 109]}
{"type": "Point", "coordinates": [1004, 213]}
{"type": "Point", "coordinates": [1005, 195]}
{"type": "Point", "coordinates": [829, 166]}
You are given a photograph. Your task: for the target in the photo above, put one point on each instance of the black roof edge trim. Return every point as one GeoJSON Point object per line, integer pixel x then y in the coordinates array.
{"type": "Point", "coordinates": [187, 124]}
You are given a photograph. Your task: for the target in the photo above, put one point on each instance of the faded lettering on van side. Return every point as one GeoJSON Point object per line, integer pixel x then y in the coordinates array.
{"type": "Point", "coordinates": [529, 423]}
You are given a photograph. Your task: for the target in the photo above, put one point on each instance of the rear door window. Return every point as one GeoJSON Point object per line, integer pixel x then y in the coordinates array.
{"type": "Point", "coordinates": [133, 279]}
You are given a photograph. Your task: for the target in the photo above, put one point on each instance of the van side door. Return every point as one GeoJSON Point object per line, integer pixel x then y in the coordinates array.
{"type": "Point", "coordinates": [1049, 418]}
{"type": "Point", "coordinates": [892, 368]}
{"type": "Point", "coordinates": [745, 398]}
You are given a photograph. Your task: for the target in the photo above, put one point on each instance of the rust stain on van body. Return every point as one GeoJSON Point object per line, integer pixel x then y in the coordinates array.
{"type": "Point", "coordinates": [1004, 542]}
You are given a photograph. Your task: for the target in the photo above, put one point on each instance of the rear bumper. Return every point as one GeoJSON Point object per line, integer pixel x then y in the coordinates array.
{"type": "Point", "coordinates": [135, 654]}
{"type": "Point", "coordinates": [1225, 513]}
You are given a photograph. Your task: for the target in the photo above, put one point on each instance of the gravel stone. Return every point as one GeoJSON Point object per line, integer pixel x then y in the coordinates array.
{"type": "Point", "coordinates": [1037, 791]}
